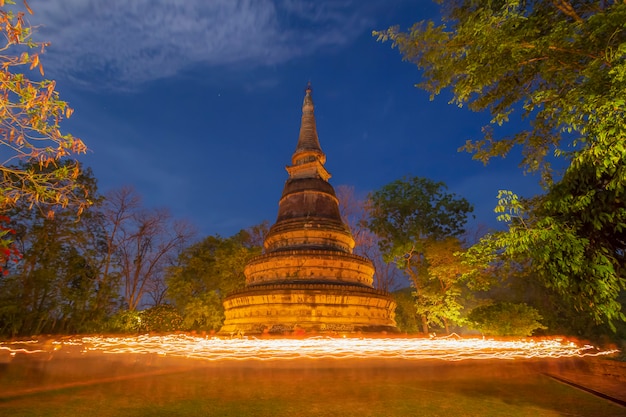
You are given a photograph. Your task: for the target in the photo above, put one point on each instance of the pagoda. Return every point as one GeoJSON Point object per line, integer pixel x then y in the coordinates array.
{"type": "Point", "coordinates": [307, 279]}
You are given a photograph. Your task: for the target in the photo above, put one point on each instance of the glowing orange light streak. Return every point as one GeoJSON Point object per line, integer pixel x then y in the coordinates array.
{"type": "Point", "coordinates": [6, 347]}
{"type": "Point", "coordinates": [215, 349]}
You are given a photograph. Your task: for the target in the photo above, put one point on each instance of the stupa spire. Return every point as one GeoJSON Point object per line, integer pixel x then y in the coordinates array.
{"type": "Point", "coordinates": [308, 148]}
{"type": "Point", "coordinates": [308, 160]}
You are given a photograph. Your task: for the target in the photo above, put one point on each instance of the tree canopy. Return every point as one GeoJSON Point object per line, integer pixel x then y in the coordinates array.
{"type": "Point", "coordinates": [559, 63]}
{"type": "Point", "coordinates": [415, 209]}
{"type": "Point", "coordinates": [561, 66]}
{"type": "Point", "coordinates": [30, 117]}
{"type": "Point", "coordinates": [208, 271]}
{"type": "Point", "coordinates": [417, 221]}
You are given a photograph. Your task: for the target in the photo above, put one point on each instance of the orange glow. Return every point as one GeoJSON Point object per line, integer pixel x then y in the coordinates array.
{"type": "Point", "coordinates": [216, 349]}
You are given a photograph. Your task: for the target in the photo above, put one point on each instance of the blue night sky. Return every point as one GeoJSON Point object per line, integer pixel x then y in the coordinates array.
{"type": "Point", "coordinates": [197, 103]}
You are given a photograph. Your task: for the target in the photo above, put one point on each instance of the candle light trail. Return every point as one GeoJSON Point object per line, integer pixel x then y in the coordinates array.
{"type": "Point", "coordinates": [216, 349]}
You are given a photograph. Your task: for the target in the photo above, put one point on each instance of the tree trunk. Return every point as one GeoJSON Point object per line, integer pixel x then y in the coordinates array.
{"type": "Point", "coordinates": [424, 324]}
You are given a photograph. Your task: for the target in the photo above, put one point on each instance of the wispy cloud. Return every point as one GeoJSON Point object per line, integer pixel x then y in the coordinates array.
{"type": "Point", "coordinates": [121, 43]}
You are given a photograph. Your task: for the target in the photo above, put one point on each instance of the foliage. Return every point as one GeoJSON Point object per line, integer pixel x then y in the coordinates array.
{"type": "Point", "coordinates": [30, 135]}
{"type": "Point", "coordinates": [57, 285]}
{"type": "Point", "coordinates": [521, 285]}
{"type": "Point", "coordinates": [413, 218]}
{"type": "Point", "coordinates": [562, 66]}
{"type": "Point", "coordinates": [69, 278]}
{"type": "Point", "coordinates": [505, 319]}
{"type": "Point", "coordinates": [30, 117]}
{"type": "Point", "coordinates": [125, 321]}
{"type": "Point", "coordinates": [406, 314]}
{"type": "Point", "coordinates": [443, 291]}
{"type": "Point", "coordinates": [8, 251]}
{"type": "Point", "coordinates": [414, 209]}
{"type": "Point", "coordinates": [587, 273]}
{"type": "Point", "coordinates": [204, 274]}
{"type": "Point", "coordinates": [162, 318]}
{"type": "Point", "coordinates": [560, 62]}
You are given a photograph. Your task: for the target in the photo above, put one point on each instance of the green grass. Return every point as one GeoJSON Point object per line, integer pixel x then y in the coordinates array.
{"type": "Point", "coordinates": [144, 386]}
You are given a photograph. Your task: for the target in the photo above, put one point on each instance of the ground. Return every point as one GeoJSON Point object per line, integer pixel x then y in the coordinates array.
{"type": "Point", "coordinates": [98, 384]}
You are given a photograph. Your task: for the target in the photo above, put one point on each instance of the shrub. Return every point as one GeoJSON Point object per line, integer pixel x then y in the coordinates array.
{"type": "Point", "coordinates": [505, 319]}
{"type": "Point", "coordinates": [161, 318]}
{"type": "Point", "coordinates": [125, 321]}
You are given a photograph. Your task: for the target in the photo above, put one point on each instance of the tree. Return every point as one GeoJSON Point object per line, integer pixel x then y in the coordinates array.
{"type": "Point", "coordinates": [30, 117]}
{"type": "Point", "coordinates": [561, 65]}
{"type": "Point", "coordinates": [140, 243]}
{"type": "Point", "coordinates": [117, 210]}
{"type": "Point", "coordinates": [205, 273]}
{"type": "Point", "coordinates": [407, 214]}
{"type": "Point", "coordinates": [57, 286]}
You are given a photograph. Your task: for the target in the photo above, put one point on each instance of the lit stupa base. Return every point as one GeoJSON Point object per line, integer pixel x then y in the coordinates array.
{"type": "Point", "coordinates": [216, 349]}
{"type": "Point", "coordinates": [318, 308]}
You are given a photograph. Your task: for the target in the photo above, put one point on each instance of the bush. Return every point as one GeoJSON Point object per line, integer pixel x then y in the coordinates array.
{"type": "Point", "coordinates": [161, 318]}
{"type": "Point", "coordinates": [125, 321]}
{"type": "Point", "coordinates": [505, 319]}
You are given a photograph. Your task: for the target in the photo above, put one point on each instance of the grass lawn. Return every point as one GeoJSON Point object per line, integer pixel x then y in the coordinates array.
{"type": "Point", "coordinates": [143, 385]}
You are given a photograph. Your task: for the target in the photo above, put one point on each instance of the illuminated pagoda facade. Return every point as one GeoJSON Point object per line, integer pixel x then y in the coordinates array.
{"type": "Point", "coordinates": [308, 279]}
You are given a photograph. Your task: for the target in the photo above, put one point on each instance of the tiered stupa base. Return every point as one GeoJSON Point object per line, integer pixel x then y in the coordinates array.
{"type": "Point", "coordinates": [308, 308]}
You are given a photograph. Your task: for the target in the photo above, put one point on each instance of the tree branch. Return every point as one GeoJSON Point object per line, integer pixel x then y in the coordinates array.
{"type": "Point", "coordinates": [567, 8]}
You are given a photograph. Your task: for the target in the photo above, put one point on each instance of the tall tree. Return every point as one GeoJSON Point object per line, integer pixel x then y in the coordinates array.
{"type": "Point", "coordinates": [561, 65]}
{"type": "Point", "coordinates": [205, 273]}
{"type": "Point", "coordinates": [407, 214]}
{"type": "Point", "coordinates": [118, 209]}
{"type": "Point", "coordinates": [142, 240]}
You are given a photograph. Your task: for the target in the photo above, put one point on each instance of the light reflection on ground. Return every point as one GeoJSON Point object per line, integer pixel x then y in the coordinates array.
{"type": "Point", "coordinates": [215, 349]}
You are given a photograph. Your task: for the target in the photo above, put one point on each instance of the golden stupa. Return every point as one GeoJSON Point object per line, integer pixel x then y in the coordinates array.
{"type": "Point", "coordinates": [308, 279]}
